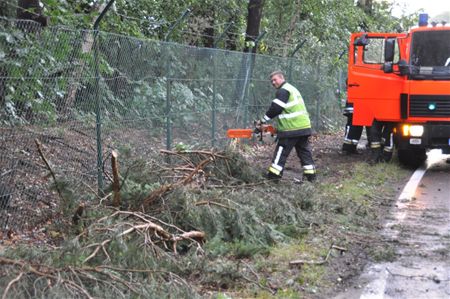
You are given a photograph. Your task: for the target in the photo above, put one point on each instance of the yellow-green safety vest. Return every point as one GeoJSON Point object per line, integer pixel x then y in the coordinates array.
{"type": "Point", "coordinates": [294, 115]}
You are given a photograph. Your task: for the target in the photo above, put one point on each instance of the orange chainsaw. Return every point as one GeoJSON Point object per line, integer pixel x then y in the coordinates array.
{"type": "Point", "coordinates": [248, 133]}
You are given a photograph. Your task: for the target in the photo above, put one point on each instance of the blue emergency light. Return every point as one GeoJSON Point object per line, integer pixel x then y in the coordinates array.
{"type": "Point", "coordinates": [431, 106]}
{"type": "Point", "coordinates": [423, 19]}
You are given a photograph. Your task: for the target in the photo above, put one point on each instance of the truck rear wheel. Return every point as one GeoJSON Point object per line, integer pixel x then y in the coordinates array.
{"type": "Point", "coordinates": [412, 157]}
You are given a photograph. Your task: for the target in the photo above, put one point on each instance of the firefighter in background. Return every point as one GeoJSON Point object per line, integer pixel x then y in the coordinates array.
{"type": "Point", "coordinates": [352, 133]}
{"type": "Point", "coordinates": [382, 142]}
{"type": "Point", "coordinates": [293, 128]}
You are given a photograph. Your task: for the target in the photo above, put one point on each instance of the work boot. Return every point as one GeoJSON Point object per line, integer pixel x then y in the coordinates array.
{"type": "Point", "coordinates": [272, 177]}
{"type": "Point", "coordinates": [349, 149]}
{"type": "Point", "coordinates": [311, 177]}
{"type": "Point", "coordinates": [385, 156]}
{"type": "Point", "coordinates": [374, 156]}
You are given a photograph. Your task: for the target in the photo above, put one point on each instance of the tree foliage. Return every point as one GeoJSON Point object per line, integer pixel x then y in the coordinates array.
{"type": "Point", "coordinates": [287, 22]}
{"type": "Point", "coordinates": [322, 27]}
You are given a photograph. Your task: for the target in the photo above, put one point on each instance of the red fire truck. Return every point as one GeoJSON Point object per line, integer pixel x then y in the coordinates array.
{"type": "Point", "coordinates": [404, 79]}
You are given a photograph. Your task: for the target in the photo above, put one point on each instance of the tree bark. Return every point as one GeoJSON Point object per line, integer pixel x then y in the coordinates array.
{"type": "Point", "coordinates": [76, 74]}
{"type": "Point", "coordinates": [366, 5]}
{"type": "Point", "coordinates": [208, 15]}
{"type": "Point", "coordinates": [291, 29]}
{"type": "Point", "coordinates": [208, 39]}
{"type": "Point", "coordinates": [254, 16]}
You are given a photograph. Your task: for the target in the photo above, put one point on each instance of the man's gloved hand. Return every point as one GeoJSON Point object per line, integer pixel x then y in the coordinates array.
{"type": "Point", "coordinates": [259, 122]}
{"type": "Point", "coordinates": [258, 125]}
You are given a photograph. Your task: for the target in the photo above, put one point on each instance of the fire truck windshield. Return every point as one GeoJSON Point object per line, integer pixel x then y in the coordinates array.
{"type": "Point", "coordinates": [430, 55]}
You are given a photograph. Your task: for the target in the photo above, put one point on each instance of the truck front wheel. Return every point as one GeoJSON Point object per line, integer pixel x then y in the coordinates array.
{"type": "Point", "coordinates": [412, 157]}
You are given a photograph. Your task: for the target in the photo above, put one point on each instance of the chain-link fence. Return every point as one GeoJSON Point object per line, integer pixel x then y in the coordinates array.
{"type": "Point", "coordinates": [69, 97]}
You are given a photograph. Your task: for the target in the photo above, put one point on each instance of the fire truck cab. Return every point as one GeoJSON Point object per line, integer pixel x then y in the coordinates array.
{"type": "Point", "coordinates": [404, 79]}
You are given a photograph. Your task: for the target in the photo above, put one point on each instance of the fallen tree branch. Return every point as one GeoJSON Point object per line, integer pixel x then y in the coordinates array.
{"type": "Point", "coordinates": [301, 262]}
{"type": "Point", "coordinates": [148, 229]}
{"type": "Point", "coordinates": [208, 202]}
{"type": "Point", "coordinates": [80, 274]}
{"type": "Point", "coordinates": [188, 152]}
{"type": "Point", "coordinates": [96, 250]}
{"type": "Point", "coordinates": [5, 292]}
{"type": "Point", "coordinates": [169, 187]}
{"type": "Point", "coordinates": [47, 164]}
{"type": "Point", "coordinates": [196, 235]}
{"type": "Point", "coordinates": [47, 273]}
{"type": "Point", "coordinates": [192, 235]}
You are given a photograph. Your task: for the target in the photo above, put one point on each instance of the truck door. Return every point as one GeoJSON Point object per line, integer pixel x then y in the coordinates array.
{"type": "Point", "coordinates": [373, 87]}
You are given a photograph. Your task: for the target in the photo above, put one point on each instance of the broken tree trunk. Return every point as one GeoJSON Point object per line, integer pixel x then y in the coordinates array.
{"type": "Point", "coordinates": [116, 181]}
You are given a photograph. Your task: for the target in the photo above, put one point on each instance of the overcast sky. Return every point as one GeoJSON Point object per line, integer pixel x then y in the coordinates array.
{"type": "Point", "coordinates": [432, 7]}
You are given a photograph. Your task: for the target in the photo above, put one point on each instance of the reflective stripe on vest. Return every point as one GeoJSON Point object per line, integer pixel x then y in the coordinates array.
{"type": "Point", "coordinates": [294, 115]}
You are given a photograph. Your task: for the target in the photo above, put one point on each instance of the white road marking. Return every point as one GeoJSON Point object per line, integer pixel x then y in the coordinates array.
{"type": "Point", "coordinates": [410, 187]}
{"type": "Point", "coordinates": [376, 288]}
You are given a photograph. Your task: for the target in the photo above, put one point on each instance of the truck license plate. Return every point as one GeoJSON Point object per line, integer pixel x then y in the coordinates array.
{"type": "Point", "coordinates": [415, 141]}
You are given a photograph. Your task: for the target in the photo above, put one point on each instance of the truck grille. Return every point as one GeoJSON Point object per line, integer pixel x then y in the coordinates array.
{"type": "Point", "coordinates": [422, 105]}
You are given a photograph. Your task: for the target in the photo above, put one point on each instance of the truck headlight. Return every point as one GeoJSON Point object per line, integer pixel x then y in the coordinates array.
{"type": "Point", "coordinates": [416, 130]}
{"type": "Point", "coordinates": [412, 130]}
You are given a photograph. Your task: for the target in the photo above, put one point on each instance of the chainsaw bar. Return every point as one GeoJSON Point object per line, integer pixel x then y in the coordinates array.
{"type": "Point", "coordinates": [240, 133]}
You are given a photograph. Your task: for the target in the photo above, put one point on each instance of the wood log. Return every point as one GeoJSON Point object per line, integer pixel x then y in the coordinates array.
{"type": "Point", "coordinates": [116, 179]}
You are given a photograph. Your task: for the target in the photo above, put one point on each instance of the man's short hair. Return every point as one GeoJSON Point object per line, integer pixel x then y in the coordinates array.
{"type": "Point", "coordinates": [278, 72]}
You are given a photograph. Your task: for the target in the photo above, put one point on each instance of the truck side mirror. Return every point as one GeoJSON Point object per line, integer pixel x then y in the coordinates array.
{"type": "Point", "coordinates": [403, 67]}
{"type": "Point", "coordinates": [388, 67]}
{"type": "Point", "coordinates": [389, 49]}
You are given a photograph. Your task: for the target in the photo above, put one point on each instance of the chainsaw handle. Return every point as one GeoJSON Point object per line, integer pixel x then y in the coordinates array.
{"type": "Point", "coordinates": [261, 128]}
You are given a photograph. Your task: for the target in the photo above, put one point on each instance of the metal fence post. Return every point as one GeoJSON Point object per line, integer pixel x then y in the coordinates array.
{"type": "Point", "coordinates": [246, 87]}
{"type": "Point", "coordinates": [317, 120]}
{"type": "Point", "coordinates": [213, 112]}
{"type": "Point", "coordinates": [168, 115]}
{"type": "Point", "coordinates": [214, 101]}
{"type": "Point", "coordinates": [98, 103]}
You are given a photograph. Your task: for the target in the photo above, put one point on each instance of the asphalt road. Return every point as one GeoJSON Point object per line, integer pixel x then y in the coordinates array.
{"type": "Point", "coordinates": [419, 228]}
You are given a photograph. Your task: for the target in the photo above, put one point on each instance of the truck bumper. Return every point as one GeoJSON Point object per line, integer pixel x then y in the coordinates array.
{"type": "Point", "coordinates": [435, 135]}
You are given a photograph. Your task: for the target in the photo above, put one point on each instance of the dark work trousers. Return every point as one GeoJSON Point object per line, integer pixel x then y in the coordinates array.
{"type": "Point", "coordinates": [284, 148]}
{"type": "Point", "coordinates": [382, 145]}
{"type": "Point", "coordinates": [353, 135]}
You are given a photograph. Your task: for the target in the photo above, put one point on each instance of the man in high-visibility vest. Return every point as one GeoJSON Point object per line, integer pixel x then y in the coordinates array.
{"type": "Point", "coordinates": [293, 128]}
